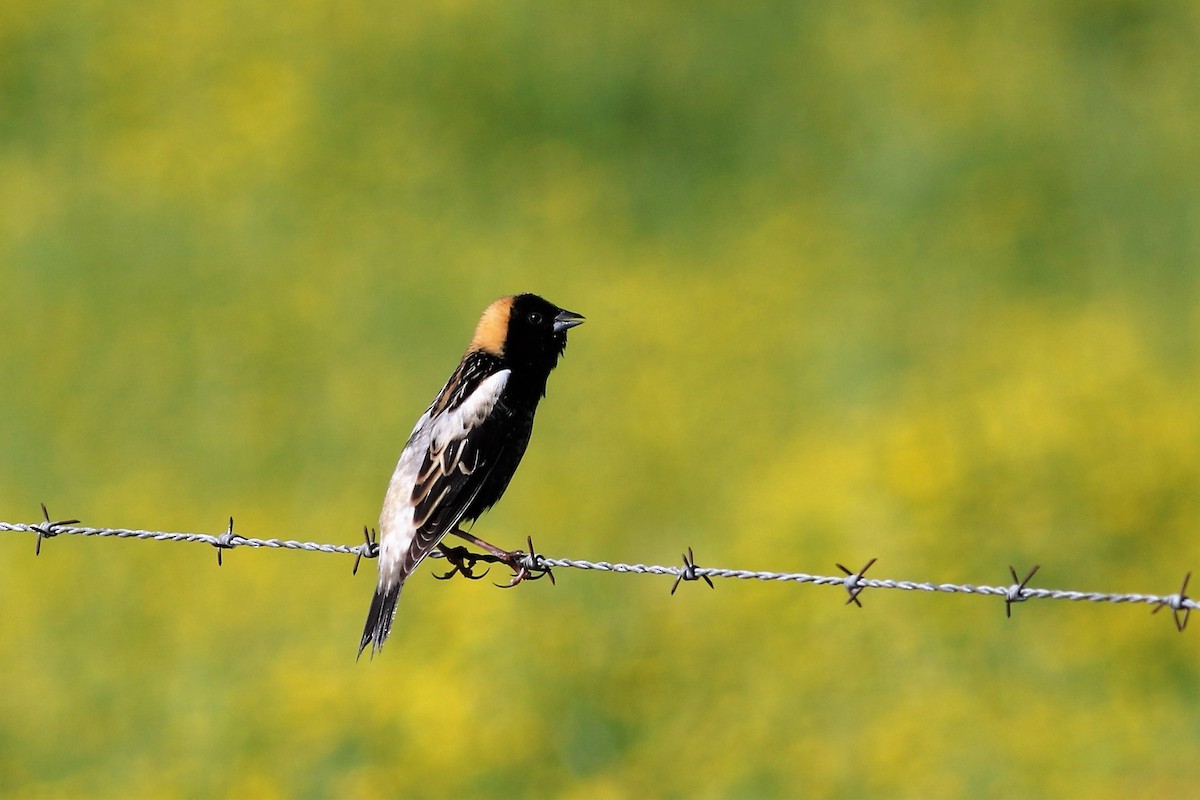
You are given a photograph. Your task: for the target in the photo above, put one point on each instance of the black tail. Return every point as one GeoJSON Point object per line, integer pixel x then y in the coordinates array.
{"type": "Point", "coordinates": [379, 619]}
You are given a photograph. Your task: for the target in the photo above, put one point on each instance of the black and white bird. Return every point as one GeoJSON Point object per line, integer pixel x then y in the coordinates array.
{"type": "Point", "coordinates": [467, 445]}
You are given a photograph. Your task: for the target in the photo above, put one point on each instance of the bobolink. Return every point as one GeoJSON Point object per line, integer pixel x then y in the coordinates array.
{"type": "Point", "coordinates": [467, 445]}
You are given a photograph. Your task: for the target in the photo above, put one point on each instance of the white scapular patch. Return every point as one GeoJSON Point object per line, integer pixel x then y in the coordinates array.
{"type": "Point", "coordinates": [451, 425]}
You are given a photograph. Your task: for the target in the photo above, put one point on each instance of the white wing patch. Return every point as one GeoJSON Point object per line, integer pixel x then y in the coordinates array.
{"type": "Point", "coordinates": [454, 424]}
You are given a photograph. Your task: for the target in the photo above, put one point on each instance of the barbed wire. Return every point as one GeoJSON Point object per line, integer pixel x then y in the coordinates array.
{"type": "Point", "coordinates": [853, 582]}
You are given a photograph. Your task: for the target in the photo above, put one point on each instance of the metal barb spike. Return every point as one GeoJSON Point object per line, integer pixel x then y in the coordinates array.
{"type": "Point", "coordinates": [48, 529]}
{"type": "Point", "coordinates": [853, 582]}
{"type": "Point", "coordinates": [1177, 602]}
{"type": "Point", "coordinates": [370, 548]}
{"type": "Point", "coordinates": [526, 566]}
{"type": "Point", "coordinates": [1016, 592]}
{"type": "Point", "coordinates": [689, 573]}
{"type": "Point", "coordinates": [224, 542]}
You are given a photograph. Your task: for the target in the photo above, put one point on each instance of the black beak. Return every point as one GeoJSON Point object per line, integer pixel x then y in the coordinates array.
{"type": "Point", "coordinates": [566, 319]}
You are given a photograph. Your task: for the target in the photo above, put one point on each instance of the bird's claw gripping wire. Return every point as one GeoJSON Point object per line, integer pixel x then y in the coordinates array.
{"type": "Point", "coordinates": [48, 530]}
{"type": "Point", "coordinates": [1177, 603]}
{"type": "Point", "coordinates": [526, 566]}
{"type": "Point", "coordinates": [1016, 592]}
{"type": "Point", "coordinates": [853, 582]}
{"type": "Point", "coordinates": [690, 572]}
{"type": "Point", "coordinates": [462, 562]}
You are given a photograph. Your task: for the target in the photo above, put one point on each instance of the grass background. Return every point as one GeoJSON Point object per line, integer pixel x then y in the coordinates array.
{"type": "Point", "coordinates": [908, 280]}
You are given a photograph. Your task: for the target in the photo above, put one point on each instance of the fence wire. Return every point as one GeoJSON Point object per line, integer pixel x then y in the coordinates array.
{"type": "Point", "coordinates": [853, 582]}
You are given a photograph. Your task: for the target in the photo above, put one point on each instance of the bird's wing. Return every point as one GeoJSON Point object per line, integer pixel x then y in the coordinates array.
{"type": "Point", "coordinates": [460, 455]}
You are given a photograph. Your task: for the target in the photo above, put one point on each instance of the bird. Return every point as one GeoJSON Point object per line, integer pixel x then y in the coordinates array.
{"type": "Point", "coordinates": [464, 449]}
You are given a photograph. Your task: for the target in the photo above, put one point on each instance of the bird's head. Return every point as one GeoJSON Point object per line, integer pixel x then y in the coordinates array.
{"type": "Point", "coordinates": [525, 330]}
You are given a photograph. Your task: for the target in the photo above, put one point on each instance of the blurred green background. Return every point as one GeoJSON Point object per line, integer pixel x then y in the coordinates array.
{"type": "Point", "coordinates": [916, 281]}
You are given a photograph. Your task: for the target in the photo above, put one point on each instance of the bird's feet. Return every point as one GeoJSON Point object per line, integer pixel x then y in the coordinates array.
{"type": "Point", "coordinates": [525, 566]}
{"type": "Point", "coordinates": [462, 562]}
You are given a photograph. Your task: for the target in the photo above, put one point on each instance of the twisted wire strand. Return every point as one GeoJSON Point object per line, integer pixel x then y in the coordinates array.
{"type": "Point", "coordinates": [227, 541]}
{"type": "Point", "coordinates": [1026, 593]}
{"type": "Point", "coordinates": [853, 583]}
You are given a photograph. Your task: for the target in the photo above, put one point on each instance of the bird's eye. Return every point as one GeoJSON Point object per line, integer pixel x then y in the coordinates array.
{"type": "Point", "coordinates": [534, 318]}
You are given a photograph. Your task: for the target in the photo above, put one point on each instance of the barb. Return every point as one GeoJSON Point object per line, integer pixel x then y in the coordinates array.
{"type": "Point", "coordinates": [1016, 592]}
{"type": "Point", "coordinates": [48, 529]}
{"type": "Point", "coordinates": [1178, 602]}
{"type": "Point", "coordinates": [854, 582]}
{"type": "Point", "coordinates": [690, 572]}
{"type": "Point", "coordinates": [851, 582]}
